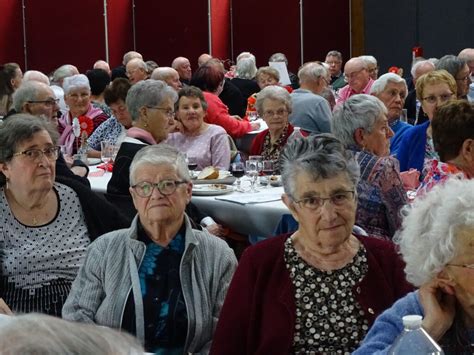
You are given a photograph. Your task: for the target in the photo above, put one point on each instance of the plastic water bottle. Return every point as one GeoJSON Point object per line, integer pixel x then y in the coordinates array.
{"type": "Point", "coordinates": [414, 339]}
{"type": "Point", "coordinates": [295, 135]}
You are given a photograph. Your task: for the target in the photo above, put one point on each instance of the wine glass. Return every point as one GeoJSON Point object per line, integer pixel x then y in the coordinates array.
{"type": "Point", "coordinates": [192, 165]}
{"type": "Point", "coordinates": [106, 153]}
{"type": "Point", "coordinates": [252, 169]}
{"type": "Point", "coordinates": [267, 171]}
{"type": "Point", "coordinates": [238, 170]}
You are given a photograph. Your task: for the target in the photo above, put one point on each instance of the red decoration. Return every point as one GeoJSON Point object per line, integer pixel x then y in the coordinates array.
{"type": "Point", "coordinates": [86, 124]}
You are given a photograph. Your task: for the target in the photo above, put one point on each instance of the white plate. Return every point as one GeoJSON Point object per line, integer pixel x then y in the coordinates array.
{"type": "Point", "coordinates": [211, 189]}
{"type": "Point", "coordinates": [225, 177]}
{"type": "Point", "coordinates": [93, 161]}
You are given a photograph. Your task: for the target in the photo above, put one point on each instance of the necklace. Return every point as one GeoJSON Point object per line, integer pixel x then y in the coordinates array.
{"type": "Point", "coordinates": [28, 211]}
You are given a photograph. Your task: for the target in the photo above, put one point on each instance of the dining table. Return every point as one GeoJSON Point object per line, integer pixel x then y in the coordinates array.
{"type": "Point", "coordinates": [244, 143]}
{"type": "Point", "coordinates": [249, 213]}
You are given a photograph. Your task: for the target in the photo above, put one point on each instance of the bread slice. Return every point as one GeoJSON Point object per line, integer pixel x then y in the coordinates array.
{"type": "Point", "coordinates": [208, 173]}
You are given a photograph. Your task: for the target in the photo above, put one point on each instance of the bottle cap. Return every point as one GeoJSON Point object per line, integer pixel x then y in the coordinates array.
{"type": "Point", "coordinates": [412, 321]}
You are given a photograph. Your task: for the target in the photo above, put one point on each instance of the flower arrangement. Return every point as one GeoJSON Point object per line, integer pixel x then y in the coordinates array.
{"type": "Point", "coordinates": [82, 128]}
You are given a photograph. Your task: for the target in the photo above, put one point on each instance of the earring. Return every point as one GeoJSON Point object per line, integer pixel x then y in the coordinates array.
{"type": "Point", "coordinates": [6, 183]}
{"type": "Point", "coordinates": [145, 124]}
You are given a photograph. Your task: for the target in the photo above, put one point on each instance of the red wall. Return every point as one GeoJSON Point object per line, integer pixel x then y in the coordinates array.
{"type": "Point", "coordinates": [165, 32]}
{"type": "Point", "coordinates": [264, 27]}
{"type": "Point", "coordinates": [11, 32]}
{"type": "Point", "coordinates": [120, 30]}
{"type": "Point", "coordinates": [59, 32]}
{"type": "Point", "coordinates": [220, 28]}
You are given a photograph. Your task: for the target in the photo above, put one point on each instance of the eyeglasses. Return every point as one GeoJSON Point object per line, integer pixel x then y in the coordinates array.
{"type": "Point", "coordinates": [434, 99]}
{"type": "Point", "coordinates": [333, 63]}
{"type": "Point", "coordinates": [79, 96]}
{"type": "Point", "coordinates": [279, 112]}
{"type": "Point", "coordinates": [373, 70]}
{"type": "Point", "coordinates": [466, 266]}
{"type": "Point", "coordinates": [165, 187]}
{"type": "Point", "coordinates": [49, 102]}
{"type": "Point", "coordinates": [349, 76]}
{"type": "Point", "coordinates": [466, 78]}
{"type": "Point", "coordinates": [36, 155]}
{"type": "Point", "coordinates": [169, 113]}
{"type": "Point", "coordinates": [315, 203]}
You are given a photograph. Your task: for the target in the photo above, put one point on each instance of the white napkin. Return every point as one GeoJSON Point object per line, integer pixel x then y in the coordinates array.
{"type": "Point", "coordinates": [273, 194]}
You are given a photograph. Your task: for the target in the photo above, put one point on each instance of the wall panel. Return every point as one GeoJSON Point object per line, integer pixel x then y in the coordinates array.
{"type": "Point", "coordinates": [168, 29]}
{"type": "Point", "coordinates": [120, 29]}
{"type": "Point", "coordinates": [58, 33]}
{"type": "Point", "coordinates": [220, 28]}
{"type": "Point", "coordinates": [11, 32]}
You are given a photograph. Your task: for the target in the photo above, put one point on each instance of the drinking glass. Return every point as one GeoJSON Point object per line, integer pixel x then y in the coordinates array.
{"type": "Point", "coordinates": [252, 169]}
{"type": "Point", "coordinates": [238, 170]}
{"type": "Point", "coordinates": [192, 165]}
{"type": "Point", "coordinates": [106, 153]}
{"type": "Point", "coordinates": [267, 171]}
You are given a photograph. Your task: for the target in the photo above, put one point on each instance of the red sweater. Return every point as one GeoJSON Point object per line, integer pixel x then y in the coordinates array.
{"type": "Point", "coordinates": [218, 113]}
{"type": "Point", "coordinates": [258, 316]}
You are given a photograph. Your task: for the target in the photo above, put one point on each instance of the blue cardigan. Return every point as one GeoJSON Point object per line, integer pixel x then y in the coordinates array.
{"type": "Point", "coordinates": [411, 151]}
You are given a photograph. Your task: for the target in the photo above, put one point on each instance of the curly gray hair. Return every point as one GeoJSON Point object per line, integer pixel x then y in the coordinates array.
{"type": "Point", "coordinates": [273, 92]}
{"type": "Point", "coordinates": [427, 238]}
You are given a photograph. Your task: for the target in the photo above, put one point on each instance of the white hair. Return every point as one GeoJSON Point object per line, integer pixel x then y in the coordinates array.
{"type": "Point", "coordinates": [368, 59]}
{"type": "Point", "coordinates": [427, 238]}
{"type": "Point", "coordinates": [79, 81]}
{"type": "Point", "coordinates": [246, 55]}
{"type": "Point", "coordinates": [381, 83]}
{"type": "Point", "coordinates": [418, 64]}
{"type": "Point", "coordinates": [35, 75]}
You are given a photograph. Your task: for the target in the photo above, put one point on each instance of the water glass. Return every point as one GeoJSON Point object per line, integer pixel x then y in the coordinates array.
{"type": "Point", "coordinates": [252, 170]}
{"type": "Point", "coordinates": [267, 171]}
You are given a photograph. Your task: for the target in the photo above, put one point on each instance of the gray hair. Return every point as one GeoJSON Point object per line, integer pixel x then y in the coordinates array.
{"type": "Point", "coordinates": [381, 83]}
{"type": "Point", "coordinates": [245, 68]}
{"type": "Point", "coordinates": [427, 238]}
{"type": "Point", "coordinates": [63, 72]}
{"type": "Point", "coordinates": [18, 128]}
{"type": "Point", "coordinates": [148, 93]}
{"type": "Point", "coordinates": [27, 92]}
{"type": "Point", "coordinates": [246, 55]}
{"type": "Point", "coordinates": [336, 54]}
{"type": "Point", "coordinates": [321, 156]}
{"type": "Point", "coordinates": [419, 64]}
{"type": "Point", "coordinates": [273, 92]}
{"type": "Point", "coordinates": [163, 73]}
{"type": "Point", "coordinates": [34, 333]}
{"type": "Point", "coordinates": [368, 59]}
{"type": "Point", "coordinates": [140, 63]}
{"type": "Point", "coordinates": [311, 71]}
{"type": "Point", "coordinates": [75, 82]}
{"type": "Point", "coordinates": [359, 111]}
{"type": "Point", "coordinates": [452, 64]}
{"type": "Point", "coordinates": [278, 57]}
{"type": "Point", "coordinates": [160, 154]}
{"type": "Point", "coordinates": [129, 56]}
{"type": "Point", "coordinates": [35, 75]}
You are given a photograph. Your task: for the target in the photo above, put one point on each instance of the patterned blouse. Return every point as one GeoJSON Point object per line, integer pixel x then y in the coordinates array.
{"type": "Point", "coordinates": [439, 172]}
{"type": "Point", "coordinates": [380, 194]}
{"type": "Point", "coordinates": [430, 154]}
{"type": "Point", "coordinates": [328, 318]}
{"type": "Point", "coordinates": [272, 151]}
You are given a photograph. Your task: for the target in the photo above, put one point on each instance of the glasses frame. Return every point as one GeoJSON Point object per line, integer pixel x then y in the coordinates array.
{"type": "Point", "coordinates": [159, 186]}
{"type": "Point", "coordinates": [465, 266]}
{"type": "Point", "coordinates": [323, 200]}
{"type": "Point", "coordinates": [43, 153]}
{"type": "Point", "coordinates": [169, 114]}
{"type": "Point", "coordinates": [347, 77]}
{"type": "Point", "coordinates": [50, 102]}
{"type": "Point", "coordinates": [428, 99]}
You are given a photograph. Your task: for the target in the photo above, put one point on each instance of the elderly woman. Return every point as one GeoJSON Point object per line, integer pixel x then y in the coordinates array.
{"type": "Point", "coordinates": [453, 134]}
{"type": "Point", "coordinates": [437, 247]}
{"type": "Point", "coordinates": [115, 128]}
{"type": "Point", "coordinates": [210, 79]}
{"type": "Point", "coordinates": [46, 225]}
{"type": "Point", "coordinates": [244, 79]}
{"type": "Point", "coordinates": [77, 95]}
{"type": "Point", "coordinates": [416, 148]}
{"type": "Point", "coordinates": [207, 144]}
{"type": "Point", "coordinates": [159, 279]}
{"type": "Point", "coordinates": [274, 105]}
{"type": "Point", "coordinates": [361, 124]}
{"type": "Point", "coordinates": [318, 289]}
{"type": "Point", "coordinates": [460, 71]}
{"type": "Point", "coordinates": [392, 90]}
{"type": "Point", "coordinates": [10, 80]}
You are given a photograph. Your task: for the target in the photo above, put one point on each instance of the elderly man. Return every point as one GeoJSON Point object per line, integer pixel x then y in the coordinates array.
{"type": "Point", "coordinates": [466, 54]}
{"type": "Point", "coordinates": [38, 99]}
{"type": "Point", "coordinates": [372, 66]}
{"type": "Point", "coordinates": [183, 67]}
{"type": "Point", "coordinates": [102, 64]}
{"type": "Point", "coordinates": [311, 112]}
{"type": "Point", "coordinates": [169, 76]}
{"type": "Point", "coordinates": [35, 75]}
{"type": "Point", "coordinates": [459, 69]}
{"type": "Point", "coordinates": [334, 60]}
{"type": "Point", "coordinates": [120, 71]}
{"type": "Point", "coordinates": [136, 70]}
{"type": "Point", "coordinates": [358, 79]}
{"type": "Point", "coordinates": [59, 75]}
{"type": "Point", "coordinates": [203, 58]}
{"type": "Point", "coordinates": [392, 90]}
{"type": "Point", "coordinates": [415, 114]}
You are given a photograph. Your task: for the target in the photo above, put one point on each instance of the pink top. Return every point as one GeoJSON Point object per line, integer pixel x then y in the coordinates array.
{"type": "Point", "coordinates": [218, 114]}
{"type": "Point", "coordinates": [211, 148]}
{"type": "Point", "coordinates": [347, 92]}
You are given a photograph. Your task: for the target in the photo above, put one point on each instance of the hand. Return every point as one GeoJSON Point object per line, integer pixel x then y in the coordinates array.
{"type": "Point", "coordinates": [4, 309]}
{"type": "Point", "coordinates": [69, 160]}
{"type": "Point", "coordinates": [79, 171]}
{"type": "Point", "coordinates": [255, 126]}
{"type": "Point", "coordinates": [439, 303]}
{"type": "Point", "coordinates": [217, 230]}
